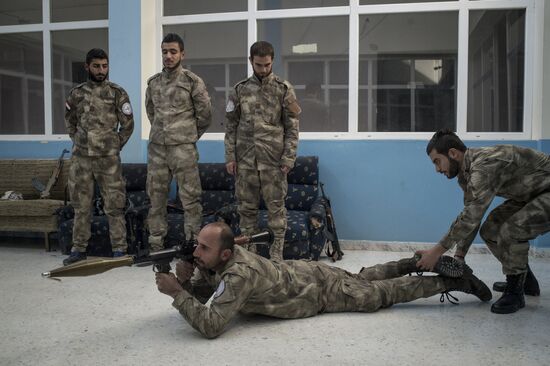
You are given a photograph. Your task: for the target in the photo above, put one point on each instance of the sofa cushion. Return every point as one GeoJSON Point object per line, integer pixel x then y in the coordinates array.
{"type": "Point", "coordinates": [305, 171]}
{"type": "Point", "coordinates": [135, 176]}
{"type": "Point", "coordinates": [213, 200]}
{"type": "Point", "coordinates": [214, 177]}
{"type": "Point", "coordinates": [137, 198]}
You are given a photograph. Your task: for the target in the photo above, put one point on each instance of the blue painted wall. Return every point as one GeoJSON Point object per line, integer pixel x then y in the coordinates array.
{"type": "Point", "coordinates": [381, 190]}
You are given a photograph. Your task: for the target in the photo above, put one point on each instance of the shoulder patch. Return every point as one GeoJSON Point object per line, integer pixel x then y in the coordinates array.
{"type": "Point", "coordinates": [230, 107]}
{"type": "Point", "coordinates": [126, 109]}
{"type": "Point", "coordinates": [220, 290]}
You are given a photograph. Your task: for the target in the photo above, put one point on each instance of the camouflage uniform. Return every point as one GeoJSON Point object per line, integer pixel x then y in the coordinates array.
{"type": "Point", "coordinates": [179, 110]}
{"type": "Point", "coordinates": [520, 175]}
{"type": "Point", "coordinates": [261, 136]}
{"type": "Point", "coordinates": [251, 284]}
{"type": "Point", "coordinates": [99, 120]}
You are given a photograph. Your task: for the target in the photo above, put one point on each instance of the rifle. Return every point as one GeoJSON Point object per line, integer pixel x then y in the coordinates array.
{"type": "Point", "coordinates": [160, 260]}
{"type": "Point", "coordinates": [45, 189]}
{"type": "Point", "coordinates": [330, 230]}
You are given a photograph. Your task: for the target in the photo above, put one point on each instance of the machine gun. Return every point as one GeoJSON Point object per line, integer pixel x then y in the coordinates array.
{"type": "Point", "coordinates": [45, 190]}
{"type": "Point", "coordinates": [160, 260]}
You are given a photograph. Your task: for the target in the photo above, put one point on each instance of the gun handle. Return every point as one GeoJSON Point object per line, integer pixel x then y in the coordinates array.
{"type": "Point", "coordinates": [162, 268]}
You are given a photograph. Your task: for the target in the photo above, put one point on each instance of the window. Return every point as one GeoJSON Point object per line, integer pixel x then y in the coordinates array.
{"type": "Point", "coordinates": [495, 77]}
{"type": "Point", "coordinates": [375, 69]}
{"type": "Point", "coordinates": [15, 13]}
{"type": "Point", "coordinates": [312, 54]}
{"type": "Point", "coordinates": [219, 61]}
{"type": "Point", "coordinates": [32, 97]}
{"type": "Point", "coordinates": [21, 84]}
{"type": "Point", "coordinates": [187, 7]}
{"type": "Point", "coordinates": [69, 50]}
{"type": "Point", "coordinates": [407, 72]}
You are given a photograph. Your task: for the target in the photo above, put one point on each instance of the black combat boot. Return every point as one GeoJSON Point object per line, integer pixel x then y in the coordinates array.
{"type": "Point", "coordinates": [469, 284]}
{"type": "Point", "coordinates": [74, 257]}
{"type": "Point", "coordinates": [531, 286]}
{"type": "Point", "coordinates": [512, 299]}
{"type": "Point", "coordinates": [446, 266]}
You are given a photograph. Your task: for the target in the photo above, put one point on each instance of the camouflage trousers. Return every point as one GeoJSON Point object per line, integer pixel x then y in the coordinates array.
{"type": "Point", "coordinates": [272, 186]}
{"type": "Point", "coordinates": [376, 287]}
{"type": "Point", "coordinates": [181, 162]}
{"type": "Point", "coordinates": [107, 171]}
{"type": "Point", "coordinates": [510, 226]}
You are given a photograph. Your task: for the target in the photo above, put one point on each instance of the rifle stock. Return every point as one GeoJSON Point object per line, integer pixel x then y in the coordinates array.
{"type": "Point", "coordinates": [330, 230]}
{"type": "Point", "coordinates": [45, 192]}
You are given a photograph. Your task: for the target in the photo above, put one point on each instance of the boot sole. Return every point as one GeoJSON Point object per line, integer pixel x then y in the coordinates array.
{"type": "Point", "coordinates": [449, 267]}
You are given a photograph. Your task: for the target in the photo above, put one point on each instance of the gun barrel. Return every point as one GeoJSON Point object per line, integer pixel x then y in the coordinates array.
{"type": "Point", "coordinates": [264, 237]}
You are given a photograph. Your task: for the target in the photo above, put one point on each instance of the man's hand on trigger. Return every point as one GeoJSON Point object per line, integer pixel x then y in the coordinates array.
{"type": "Point", "coordinates": [231, 167]}
{"type": "Point", "coordinates": [285, 169]}
{"type": "Point", "coordinates": [168, 284]}
{"type": "Point", "coordinates": [184, 271]}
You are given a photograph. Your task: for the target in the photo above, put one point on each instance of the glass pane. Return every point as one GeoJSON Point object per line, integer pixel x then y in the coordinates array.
{"type": "Point", "coordinates": [312, 54]}
{"type": "Point", "coordinates": [20, 12]}
{"type": "Point", "coordinates": [373, 2]}
{"type": "Point", "coordinates": [186, 7]}
{"type": "Point", "coordinates": [291, 4]}
{"type": "Point", "coordinates": [21, 84]}
{"type": "Point", "coordinates": [69, 50]}
{"type": "Point", "coordinates": [75, 10]}
{"type": "Point", "coordinates": [496, 70]}
{"type": "Point", "coordinates": [407, 71]}
{"type": "Point", "coordinates": [219, 61]}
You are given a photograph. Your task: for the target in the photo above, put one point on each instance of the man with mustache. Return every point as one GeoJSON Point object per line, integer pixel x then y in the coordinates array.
{"type": "Point", "coordinates": [261, 139]}
{"type": "Point", "coordinates": [179, 109]}
{"type": "Point", "coordinates": [238, 280]}
{"type": "Point", "coordinates": [99, 120]}
{"type": "Point", "coordinates": [522, 177]}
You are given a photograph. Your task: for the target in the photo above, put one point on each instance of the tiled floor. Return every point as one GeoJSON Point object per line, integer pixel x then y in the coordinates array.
{"type": "Point", "coordinates": [119, 318]}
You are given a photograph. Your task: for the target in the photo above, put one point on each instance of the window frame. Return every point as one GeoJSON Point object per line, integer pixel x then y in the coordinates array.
{"type": "Point", "coordinates": [533, 60]}
{"type": "Point", "coordinates": [46, 27]}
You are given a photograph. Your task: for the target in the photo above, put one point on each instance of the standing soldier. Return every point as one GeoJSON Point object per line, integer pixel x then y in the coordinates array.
{"type": "Point", "coordinates": [179, 110]}
{"type": "Point", "coordinates": [99, 120]}
{"type": "Point", "coordinates": [261, 139]}
{"type": "Point", "coordinates": [522, 177]}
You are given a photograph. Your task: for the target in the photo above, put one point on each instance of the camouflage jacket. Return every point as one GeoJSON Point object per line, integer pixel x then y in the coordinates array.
{"type": "Point", "coordinates": [98, 118]}
{"type": "Point", "coordinates": [251, 284]}
{"type": "Point", "coordinates": [262, 124]}
{"type": "Point", "coordinates": [507, 171]}
{"type": "Point", "coordinates": [178, 107]}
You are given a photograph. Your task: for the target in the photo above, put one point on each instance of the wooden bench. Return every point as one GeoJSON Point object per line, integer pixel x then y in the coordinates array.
{"type": "Point", "coordinates": [32, 213]}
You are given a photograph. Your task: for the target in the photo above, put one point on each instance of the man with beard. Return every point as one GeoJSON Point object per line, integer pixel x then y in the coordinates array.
{"type": "Point", "coordinates": [179, 109]}
{"type": "Point", "coordinates": [261, 139]}
{"type": "Point", "coordinates": [522, 177]}
{"type": "Point", "coordinates": [99, 120]}
{"type": "Point", "coordinates": [238, 280]}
